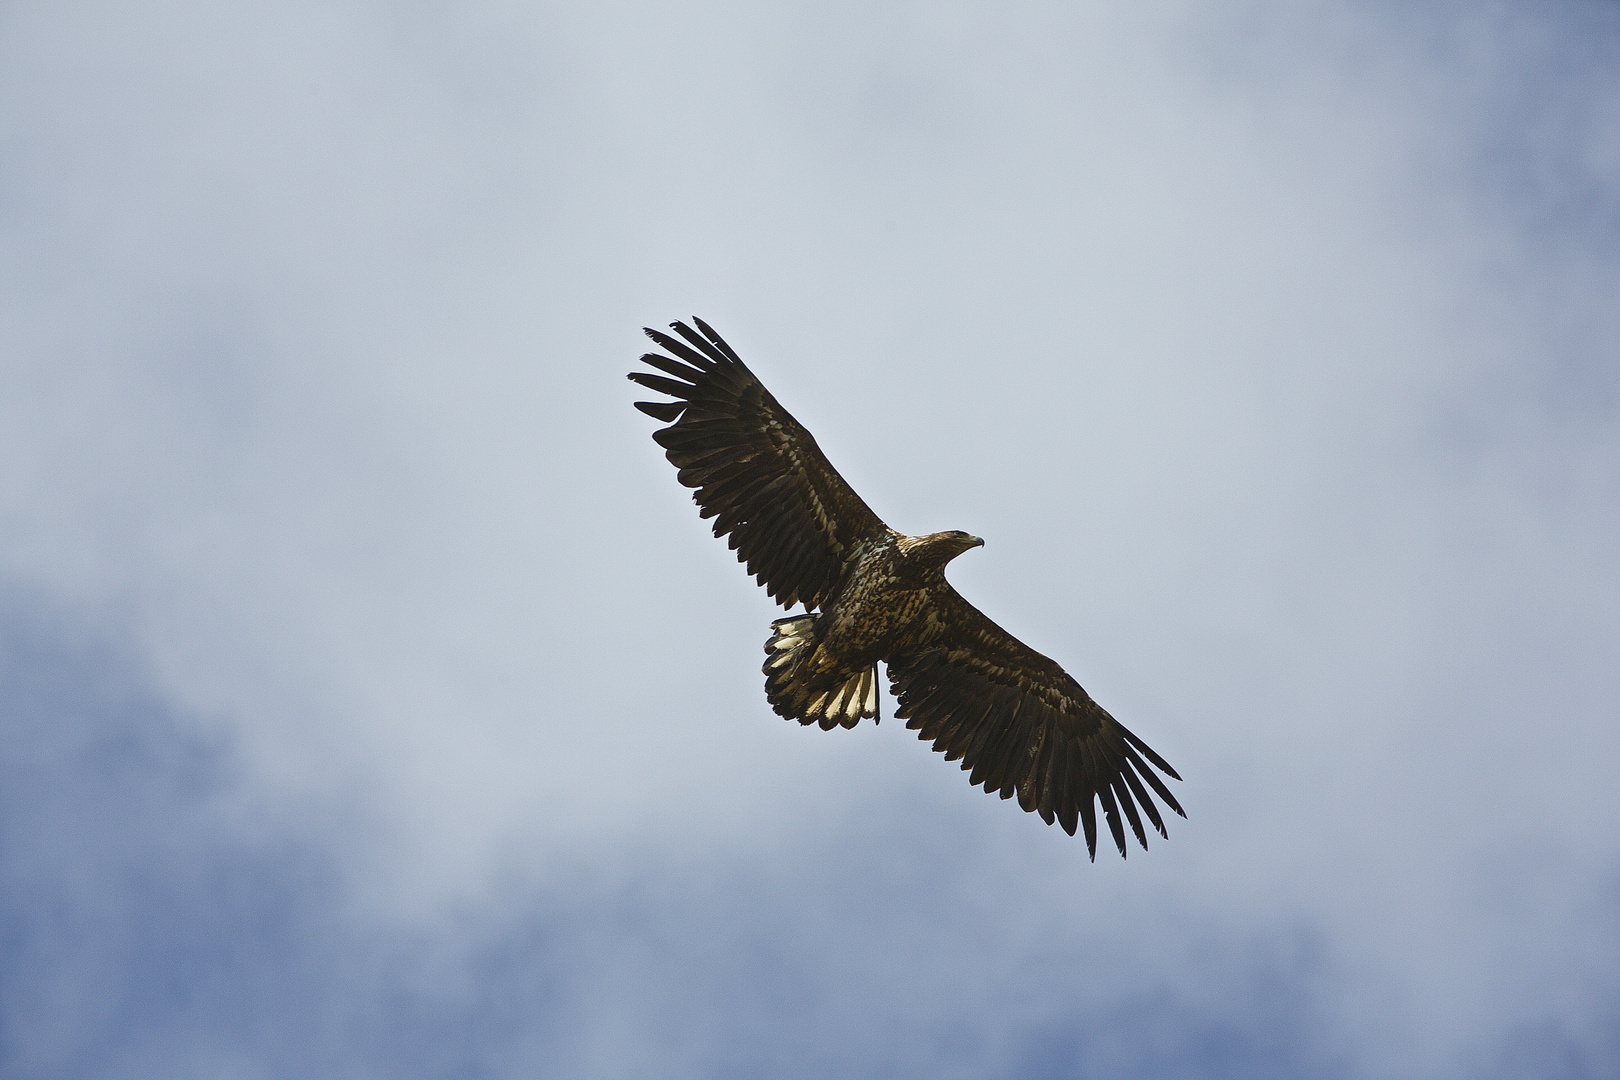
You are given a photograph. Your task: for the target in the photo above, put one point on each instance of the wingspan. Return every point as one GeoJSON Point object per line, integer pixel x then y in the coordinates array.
{"type": "Point", "coordinates": [791, 518]}
{"type": "Point", "coordinates": [1023, 726]}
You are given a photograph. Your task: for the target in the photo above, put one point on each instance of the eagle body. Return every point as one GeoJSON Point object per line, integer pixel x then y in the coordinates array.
{"type": "Point", "coordinates": [881, 607]}
{"type": "Point", "coordinates": [1017, 721]}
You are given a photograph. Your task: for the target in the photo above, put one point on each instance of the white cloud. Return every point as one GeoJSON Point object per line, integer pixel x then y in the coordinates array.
{"type": "Point", "coordinates": [1269, 352]}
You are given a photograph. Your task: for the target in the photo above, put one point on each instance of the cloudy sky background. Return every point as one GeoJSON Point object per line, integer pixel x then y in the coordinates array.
{"type": "Point", "coordinates": [375, 704]}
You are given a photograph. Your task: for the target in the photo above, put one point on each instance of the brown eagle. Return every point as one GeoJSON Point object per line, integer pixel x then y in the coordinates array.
{"type": "Point", "coordinates": [1017, 720]}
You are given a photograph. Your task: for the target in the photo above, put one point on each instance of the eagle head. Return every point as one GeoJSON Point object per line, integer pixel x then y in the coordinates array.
{"type": "Point", "coordinates": [941, 547]}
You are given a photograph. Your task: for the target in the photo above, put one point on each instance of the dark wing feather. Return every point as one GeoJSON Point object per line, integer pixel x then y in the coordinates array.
{"type": "Point", "coordinates": [1022, 726]}
{"type": "Point", "coordinates": [792, 519]}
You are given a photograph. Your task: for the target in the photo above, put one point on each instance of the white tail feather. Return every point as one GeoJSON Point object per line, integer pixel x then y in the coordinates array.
{"type": "Point", "coordinates": [789, 688]}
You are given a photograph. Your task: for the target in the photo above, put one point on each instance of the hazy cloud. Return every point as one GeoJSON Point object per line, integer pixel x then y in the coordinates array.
{"type": "Point", "coordinates": [376, 704]}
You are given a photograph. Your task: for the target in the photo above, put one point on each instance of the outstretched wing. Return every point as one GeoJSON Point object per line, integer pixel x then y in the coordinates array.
{"type": "Point", "coordinates": [1024, 726]}
{"type": "Point", "coordinates": [792, 519]}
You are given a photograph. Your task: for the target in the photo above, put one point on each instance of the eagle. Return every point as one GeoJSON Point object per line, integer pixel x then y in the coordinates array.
{"type": "Point", "coordinates": [1017, 721]}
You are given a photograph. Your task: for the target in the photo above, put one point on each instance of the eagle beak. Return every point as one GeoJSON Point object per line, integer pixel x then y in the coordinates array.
{"type": "Point", "coordinates": [978, 541]}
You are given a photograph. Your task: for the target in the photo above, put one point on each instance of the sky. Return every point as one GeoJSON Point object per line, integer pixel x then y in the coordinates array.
{"type": "Point", "coordinates": [373, 702]}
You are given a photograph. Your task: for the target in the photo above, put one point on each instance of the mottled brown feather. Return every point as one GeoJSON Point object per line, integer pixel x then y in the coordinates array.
{"type": "Point", "coordinates": [791, 518]}
{"type": "Point", "coordinates": [983, 696]}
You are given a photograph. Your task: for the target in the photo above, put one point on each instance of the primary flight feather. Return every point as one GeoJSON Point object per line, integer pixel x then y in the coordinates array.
{"type": "Point", "coordinates": [1018, 722]}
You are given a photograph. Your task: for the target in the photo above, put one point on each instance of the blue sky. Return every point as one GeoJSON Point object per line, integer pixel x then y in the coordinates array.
{"type": "Point", "coordinates": [375, 704]}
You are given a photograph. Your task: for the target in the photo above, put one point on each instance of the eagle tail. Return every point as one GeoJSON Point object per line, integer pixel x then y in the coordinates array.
{"type": "Point", "coordinates": [800, 690]}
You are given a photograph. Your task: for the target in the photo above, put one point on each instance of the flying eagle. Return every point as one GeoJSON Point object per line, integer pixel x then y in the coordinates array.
{"type": "Point", "coordinates": [1016, 719]}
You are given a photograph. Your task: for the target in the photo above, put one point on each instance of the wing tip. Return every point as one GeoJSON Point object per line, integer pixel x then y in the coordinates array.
{"type": "Point", "coordinates": [667, 411]}
{"type": "Point", "coordinates": [1148, 752]}
{"type": "Point", "coordinates": [719, 342]}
